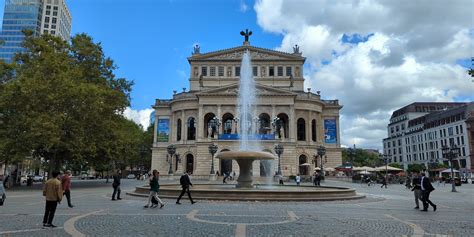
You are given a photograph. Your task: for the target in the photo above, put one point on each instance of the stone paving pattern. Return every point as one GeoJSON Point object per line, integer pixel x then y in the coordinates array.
{"type": "Point", "coordinates": [384, 212]}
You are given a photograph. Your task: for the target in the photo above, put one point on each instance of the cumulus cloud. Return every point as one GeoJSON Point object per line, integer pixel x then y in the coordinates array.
{"type": "Point", "coordinates": [141, 117]}
{"type": "Point", "coordinates": [408, 53]}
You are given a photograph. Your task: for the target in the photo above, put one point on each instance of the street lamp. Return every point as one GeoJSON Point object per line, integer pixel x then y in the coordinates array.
{"type": "Point", "coordinates": [212, 149]}
{"type": "Point", "coordinates": [321, 152]}
{"type": "Point", "coordinates": [451, 153]}
{"type": "Point", "coordinates": [279, 150]}
{"type": "Point", "coordinates": [385, 158]}
{"type": "Point", "coordinates": [352, 152]}
{"type": "Point", "coordinates": [171, 151]}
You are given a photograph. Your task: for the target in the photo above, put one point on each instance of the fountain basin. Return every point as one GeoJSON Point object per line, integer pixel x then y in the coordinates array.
{"type": "Point", "coordinates": [244, 160]}
{"type": "Point", "coordinates": [260, 193]}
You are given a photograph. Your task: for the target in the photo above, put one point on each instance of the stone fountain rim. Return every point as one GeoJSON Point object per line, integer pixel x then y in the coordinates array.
{"type": "Point", "coordinates": [236, 155]}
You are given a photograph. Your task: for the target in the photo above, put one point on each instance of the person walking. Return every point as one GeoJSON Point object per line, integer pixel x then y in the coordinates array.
{"type": "Point", "coordinates": [317, 179]}
{"type": "Point", "coordinates": [185, 183]}
{"type": "Point", "coordinates": [154, 187]}
{"type": "Point", "coordinates": [226, 175]}
{"type": "Point", "coordinates": [426, 189]}
{"type": "Point", "coordinates": [384, 183]}
{"type": "Point", "coordinates": [298, 179]}
{"type": "Point", "coordinates": [116, 185]}
{"type": "Point", "coordinates": [53, 193]}
{"type": "Point", "coordinates": [66, 185]}
{"type": "Point", "coordinates": [416, 183]}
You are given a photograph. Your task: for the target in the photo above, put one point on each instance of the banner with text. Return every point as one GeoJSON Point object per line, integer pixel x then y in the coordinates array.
{"type": "Point", "coordinates": [330, 131]}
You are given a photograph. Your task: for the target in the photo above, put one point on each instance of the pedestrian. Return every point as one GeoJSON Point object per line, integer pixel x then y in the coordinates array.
{"type": "Point", "coordinates": [426, 189]}
{"type": "Point", "coordinates": [5, 181]}
{"type": "Point", "coordinates": [53, 193]}
{"type": "Point", "coordinates": [226, 175]}
{"type": "Point", "coordinates": [281, 180]}
{"type": "Point", "coordinates": [66, 185]}
{"type": "Point", "coordinates": [408, 183]}
{"type": "Point", "coordinates": [116, 185]}
{"type": "Point", "coordinates": [154, 187]}
{"type": "Point", "coordinates": [416, 183]}
{"type": "Point", "coordinates": [185, 183]}
{"type": "Point", "coordinates": [384, 183]}
{"type": "Point", "coordinates": [217, 173]}
{"type": "Point", "coordinates": [298, 179]}
{"type": "Point", "coordinates": [317, 179]}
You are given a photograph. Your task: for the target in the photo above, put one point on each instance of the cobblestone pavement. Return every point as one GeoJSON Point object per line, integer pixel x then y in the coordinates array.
{"type": "Point", "coordinates": [384, 212]}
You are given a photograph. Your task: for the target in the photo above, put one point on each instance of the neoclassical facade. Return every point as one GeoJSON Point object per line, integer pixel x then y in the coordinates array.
{"type": "Point", "coordinates": [207, 114]}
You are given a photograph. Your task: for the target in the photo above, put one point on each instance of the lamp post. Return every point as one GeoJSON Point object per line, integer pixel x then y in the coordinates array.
{"type": "Point", "coordinates": [212, 149]}
{"type": "Point", "coordinates": [171, 151]}
{"type": "Point", "coordinates": [451, 153]}
{"type": "Point", "coordinates": [321, 152]}
{"type": "Point", "coordinates": [385, 158]}
{"type": "Point", "coordinates": [279, 150]}
{"type": "Point", "coordinates": [352, 152]}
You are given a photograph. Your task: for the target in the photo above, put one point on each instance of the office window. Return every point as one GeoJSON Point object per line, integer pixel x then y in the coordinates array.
{"type": "Point", "coordinates": [55, 20]}
{"type": "Point", "coordinates": [271, 71]}
{"type": "Point", "coordinates": [53, 32]}
{"type": "Point", "coordinates": [460, 128]}
{"type": "Point", "coordinates": [53, 26]}
{"type": "Point", "coordinates": [46, 19]}
{"type": "Point", "coordinates": [237, 71]}
{"type": "Point", "coordinates": [220, 71]}
{"type": "Point", "coordinates": [288, 71]}
{"type": "Point", "coordinates": [55, 13]}
{"type": "Point", "coordinates": [450, 131]}
{"type": "Point", "coordinates": [204, 71]}
{"type": "Point", "coordinates": [212, 71]}
{"type": "Point", "coordinates": [280, 71]}
{"type": "Point", "coordinates": [45, 31]}
{"type": "Point", "coordinates": [46, 25]}
{"type": "Point", "coordinates": [55, 8]}
{"type": "Point", "coordinates": [48, 7]}
{"type": "Point", "coordinates": [48, 12]}
{"type": "Point", "coordinates": [462, 140]}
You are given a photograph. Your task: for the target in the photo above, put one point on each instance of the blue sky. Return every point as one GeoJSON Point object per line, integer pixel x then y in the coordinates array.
{"type": "Point", "coordinates": [379, 49]}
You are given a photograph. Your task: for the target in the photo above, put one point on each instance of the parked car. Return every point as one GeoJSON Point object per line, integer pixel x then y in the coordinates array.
{"type": "Point", "coordinates": [130, 176]}
{"type": "Point", "coordinates": [38, 178]}
{"type": "Point", "coordinates": [3, 196]}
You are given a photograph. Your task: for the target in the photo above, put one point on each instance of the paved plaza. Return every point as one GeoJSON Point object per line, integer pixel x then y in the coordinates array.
{"type": "Point", "coordinates": [384, 212]}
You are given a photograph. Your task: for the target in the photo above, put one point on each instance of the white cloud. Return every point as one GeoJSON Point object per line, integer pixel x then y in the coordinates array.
{"type": "Point", "coordinates": [410, 57]}
{"type": "Point", "coordinates": [243, 6]}
{"type": "Point", "coordinates": [141, 117]}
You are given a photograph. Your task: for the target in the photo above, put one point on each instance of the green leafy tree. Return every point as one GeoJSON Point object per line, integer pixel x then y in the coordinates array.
{"type": "Point", "coordinates": [361, 158]}
{"type": "Point", "coordinates": [63, 102]}
{"type": "Point", "coordinates": [416, 168]}
{"type": "Point", "coordinates": [396, 165]}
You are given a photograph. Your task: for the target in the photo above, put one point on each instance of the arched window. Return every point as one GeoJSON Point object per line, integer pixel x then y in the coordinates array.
{"type": "Point", "coordinates": [303, 165]}
{"type": "Point", "coordinates": [191, 129]}
{"type": "Point", "coordinates": [313, 130]}
{"type": "Point", "coordinates": [178, 130]}
{"type": "Point", "coordinates": [282, 126]}
{"type": "Point", "coordinates": [301, 130]}
{"type": "Point", "coordinates": [228, 120]}
{"type": "Point", "coordinates": [264, 123]}
{"type": "Point", "coordinates": [189, 163]}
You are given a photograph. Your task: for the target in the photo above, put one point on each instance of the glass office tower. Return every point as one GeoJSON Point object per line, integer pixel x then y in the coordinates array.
{"type": "Point", "coordinates": [19, 15]}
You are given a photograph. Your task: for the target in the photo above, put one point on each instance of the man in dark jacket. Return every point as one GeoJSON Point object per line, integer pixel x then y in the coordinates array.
{"type": "Point", "coordinates": [416, 183]}
{"type": "Point", "coordinates": [185, 182]}
{"type": "Point", "coordinates": [116, 185]}
{"type": "Point", "coordinates": [426, 189]}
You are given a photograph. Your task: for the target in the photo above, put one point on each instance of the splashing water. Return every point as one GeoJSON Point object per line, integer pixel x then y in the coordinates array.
{"type": "Point", "coordinates": [246, 101]}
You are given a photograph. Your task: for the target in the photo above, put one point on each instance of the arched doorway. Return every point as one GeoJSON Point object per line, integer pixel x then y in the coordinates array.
{"type": "Point", "coordinates": [303, 168]}
{"type": "Point", "coordinates": [226, 165]}
{"type": "Point", "coordinates": [189, 163]}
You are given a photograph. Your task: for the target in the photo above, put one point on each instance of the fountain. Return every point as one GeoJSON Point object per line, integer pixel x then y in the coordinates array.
{"type": "Point", "coordinates": [248, 152]}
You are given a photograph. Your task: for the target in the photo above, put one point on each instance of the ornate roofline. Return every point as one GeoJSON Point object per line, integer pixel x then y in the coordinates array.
{"type": "Point", "coordinates": [290, 56]}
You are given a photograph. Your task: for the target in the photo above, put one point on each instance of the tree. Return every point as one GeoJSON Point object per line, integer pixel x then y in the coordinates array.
{"type": "Point", "coordinates": [396, 165]}
{"type": "Point", "coordinates": [63, 102]}
{"type": "Point", "coordinates": [416, 168]}
{"type": "Point", "coordinates": [361, 158]}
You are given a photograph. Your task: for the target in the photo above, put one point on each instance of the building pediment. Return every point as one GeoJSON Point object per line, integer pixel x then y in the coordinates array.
{"type": "Point", "coordinates": [233, 90]}
{"type": "Point", "coordinates": [235, 54]}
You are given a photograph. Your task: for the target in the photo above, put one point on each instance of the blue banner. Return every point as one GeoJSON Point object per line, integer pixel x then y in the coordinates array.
{"type": "Point", "coordinates": [330, 131]}
{"type": "Point", "coordinates": [250, 137]}
{"type": "Point", "coordinates": [163, 130]}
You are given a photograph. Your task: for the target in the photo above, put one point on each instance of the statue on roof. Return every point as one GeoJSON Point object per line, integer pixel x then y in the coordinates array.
{"type": "Point", "coordinates": [296, 49]}
{"type": "Point", "coordinates": [197, 49]}
{"type": "Point", "coordinates": [246, 34]}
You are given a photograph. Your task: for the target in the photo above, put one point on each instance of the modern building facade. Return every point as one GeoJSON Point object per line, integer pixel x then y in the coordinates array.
{"type": "Point", "coordinates": [39, 16]}
{"type": "Point", "coordinates": [417, 132]}
{"type": "Point", "coordinates": [207, 114]}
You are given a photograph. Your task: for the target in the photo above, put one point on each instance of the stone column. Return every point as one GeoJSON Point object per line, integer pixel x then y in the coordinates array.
{"type": "Point", "coordinates": [199, 125]}
{"type": "Point", "coordinates": [320, 128]}
{"type": "Point", "coordinates": [308, 128]}
{"type": "Point", "coordinates": [184, 127]}
{"type": "Point", "coordinates": [271, 119]}
{"type": "Point", "coordinates": [292, 124]}
{"type": "Point", "coordinates": [219, 116]}
{"type": "Point", "coordinates": [154, 129]}
{"type": "Point", "coordinates": [338, 138]}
